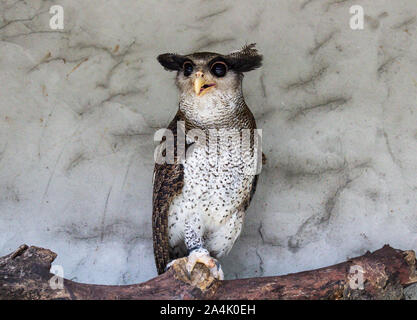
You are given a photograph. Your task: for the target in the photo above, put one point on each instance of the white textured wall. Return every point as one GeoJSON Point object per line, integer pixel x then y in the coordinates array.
{"type": "Point", "coordinates": [78, 109]}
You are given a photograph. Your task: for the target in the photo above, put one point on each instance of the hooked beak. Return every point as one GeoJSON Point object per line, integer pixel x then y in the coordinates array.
{"type": "Point", "coordinates": [201, 86]}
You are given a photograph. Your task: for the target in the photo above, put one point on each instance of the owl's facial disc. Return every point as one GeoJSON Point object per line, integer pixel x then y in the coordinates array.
{"type": "Point", "coordinates": [201, 85]}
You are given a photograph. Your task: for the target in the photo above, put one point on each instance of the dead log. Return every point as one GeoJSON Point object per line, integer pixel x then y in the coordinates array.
{"type": "Point", "coordinates": [25, 274]}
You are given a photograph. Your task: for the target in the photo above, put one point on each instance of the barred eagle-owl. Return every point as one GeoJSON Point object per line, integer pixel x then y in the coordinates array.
{"type": "Point", "coordinates": [199, 200]}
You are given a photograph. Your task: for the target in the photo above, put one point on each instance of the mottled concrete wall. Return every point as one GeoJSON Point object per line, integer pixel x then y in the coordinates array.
{"type": "Point", "coordinates": [79, 107]}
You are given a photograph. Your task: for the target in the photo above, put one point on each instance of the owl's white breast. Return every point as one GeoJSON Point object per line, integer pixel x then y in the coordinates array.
{"type": "Point", "coordinates": [215, 185]}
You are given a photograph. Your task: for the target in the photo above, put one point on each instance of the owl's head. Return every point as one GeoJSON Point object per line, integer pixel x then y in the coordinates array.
{"type": "Point", "coordinates": [206, 73]}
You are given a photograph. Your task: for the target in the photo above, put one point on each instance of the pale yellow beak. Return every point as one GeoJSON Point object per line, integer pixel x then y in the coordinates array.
{"type": "Point", "coordinates": [201, 86]}
{"type": "Point", "coordinates": [198, 84]}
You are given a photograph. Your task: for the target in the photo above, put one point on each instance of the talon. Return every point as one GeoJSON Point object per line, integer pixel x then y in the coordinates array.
{"type": "Point", "coordinates": [217, 272]}
{"type": "Point", "coordinates": [190, 268]}
{"type": "Point", "coordinates": [168, 265]}
{"type": "Point", "coordinates": [201, 255]}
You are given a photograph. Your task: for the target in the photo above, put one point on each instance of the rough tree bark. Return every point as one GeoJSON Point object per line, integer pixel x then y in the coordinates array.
{"type": "Point", "coordinates": [24, 274]}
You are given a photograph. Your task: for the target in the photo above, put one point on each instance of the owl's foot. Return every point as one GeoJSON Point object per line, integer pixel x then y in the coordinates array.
{"type": "Point", "coordinates": [201, 255]}
{"type": "Point", "coordinates": [198, 268]}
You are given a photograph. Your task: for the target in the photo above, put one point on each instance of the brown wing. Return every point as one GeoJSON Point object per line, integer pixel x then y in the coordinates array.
{"type": "Point", "coordinates": [168, 183]}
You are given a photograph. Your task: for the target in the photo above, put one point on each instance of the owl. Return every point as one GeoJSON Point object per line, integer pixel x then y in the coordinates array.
{"type": "Point", "coordinates": [200, 197]}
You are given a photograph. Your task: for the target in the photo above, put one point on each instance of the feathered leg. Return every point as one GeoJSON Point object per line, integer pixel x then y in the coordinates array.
{"type": "Point", "coordinates": [196, 252]}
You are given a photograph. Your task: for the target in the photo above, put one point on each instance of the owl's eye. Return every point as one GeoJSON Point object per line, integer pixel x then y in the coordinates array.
{"type": "Point", "coordinates": [219, 69]}
{"type": "Point", "coordinates": [188, 68]}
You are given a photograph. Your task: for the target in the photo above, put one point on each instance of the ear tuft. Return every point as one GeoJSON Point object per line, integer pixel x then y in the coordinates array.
{"type": "Point", "coordinates": [171, 61]}
{"type": "Point", "coordinates": [245, 60]}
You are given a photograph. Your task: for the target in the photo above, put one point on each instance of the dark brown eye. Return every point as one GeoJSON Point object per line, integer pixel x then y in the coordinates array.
{"type": "Point", "coordinates": [219, 69]}
{"type": "Point", "coordinates": [188, 68]}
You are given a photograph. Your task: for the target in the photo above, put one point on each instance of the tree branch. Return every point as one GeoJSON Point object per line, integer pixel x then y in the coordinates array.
{"type": "Point", "coordinates": [25, 274]}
